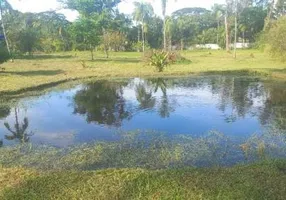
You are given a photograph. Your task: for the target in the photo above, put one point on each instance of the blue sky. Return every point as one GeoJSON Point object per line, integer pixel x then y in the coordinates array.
{"type": "Point", "coordinates": [125, 7]}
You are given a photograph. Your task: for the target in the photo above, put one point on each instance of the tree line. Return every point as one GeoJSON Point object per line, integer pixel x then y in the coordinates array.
{"type": "Point", "coordinates": [101, 26]}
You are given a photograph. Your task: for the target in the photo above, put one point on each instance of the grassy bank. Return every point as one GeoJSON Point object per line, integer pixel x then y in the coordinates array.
{"type": "Point", "coordinates": [57, 68]}
{"type": "Point", "coordinates": [157, 168]}
{"type": "Point", "coordinates": [257, 181]}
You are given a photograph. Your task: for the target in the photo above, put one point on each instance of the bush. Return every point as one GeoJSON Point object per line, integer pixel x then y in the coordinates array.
{"type": "Point", "coordinates": [4, 56]}
{"type": "Point", "coordinates": [276, 40]}
{"type": "Point", "coordinates": [159, 59]}
{"type": "Point", "coordinates": [175, 57]}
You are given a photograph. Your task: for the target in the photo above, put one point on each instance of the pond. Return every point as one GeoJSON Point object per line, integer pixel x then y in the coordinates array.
{"type": "Point", "coordinates": [237, 107]}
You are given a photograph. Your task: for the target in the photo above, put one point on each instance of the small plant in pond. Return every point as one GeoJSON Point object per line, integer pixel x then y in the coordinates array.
{"type": "Point", "coordinates": [159, 59]}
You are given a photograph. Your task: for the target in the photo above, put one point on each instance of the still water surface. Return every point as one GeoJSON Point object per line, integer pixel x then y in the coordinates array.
{"type": "Point", "coordinates": [238, 107]}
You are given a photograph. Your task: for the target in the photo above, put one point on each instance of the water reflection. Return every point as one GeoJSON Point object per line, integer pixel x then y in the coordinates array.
{"type": "Point", "coordinates": [20, 131]}
{"type": "Point", "coordinates": [102, 102]}
{"type": "Point", "coordinates": [4, 111]}
{"type": "Point", "coordinates": [105, 103]}
{"type": "Point", "coordinates": [236, 106]}
{"type": "Point", "coordinates": [144, 95]}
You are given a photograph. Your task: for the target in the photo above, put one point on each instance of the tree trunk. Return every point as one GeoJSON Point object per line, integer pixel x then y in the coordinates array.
{"type": "Point", "coordinates": [217, 35]}
{"type": "Point", "coordinates": [235, 36]}
{"type": "Point", "coordinates": [243, 39]}
{"type": "Point", "coordinates": [106, 43]}
{"type": "Point", "coordinates": [170, 42]}
{"type": "Point", "coordinates": [182, 44]}
{"type": "Point", "coordinates": [143, 37]}
{"type": "Point", "coordinates": [226, 33]}
{"type": "Point", "coordinates": [268, 17]}
{"type": "Point", "coordinates": [4, 30]}
{"type": "Point", "coordinates": [138, 48]}
{"type": "Point", "coordinates": [164, 34]}
{"type": "Point", "coordinates": [92, 55]}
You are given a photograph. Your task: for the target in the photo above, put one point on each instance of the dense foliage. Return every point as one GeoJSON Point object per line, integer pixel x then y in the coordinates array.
{"type": "Point", "coordinates": [276, 39]}
{"type": "Point", "coordinates": [4, 56]}
{"type": "Point", "coordinates": [101, 26]}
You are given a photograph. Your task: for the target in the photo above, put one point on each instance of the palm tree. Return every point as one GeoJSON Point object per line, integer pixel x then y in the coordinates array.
{"type": "Point", "coordinates": [218, 11]}
{"type": "Point", "coordinates": [20, 131]}
{"type": "Point", "coordinates": [164, 8]}
{"type": "Point", "coordinates": [169, 30]}
{"type": "Point", "coordinates": [142, 12]}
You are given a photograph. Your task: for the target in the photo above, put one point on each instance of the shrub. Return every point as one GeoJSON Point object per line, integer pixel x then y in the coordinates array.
{"type": "Point", "coordinates": [159, 59]}
{"type": "Point", "coordinates": [175, 57]}
{"type": "Point", "coordinates": [4, 56]}
{"type": "Point", "coordinates": [276, 39]}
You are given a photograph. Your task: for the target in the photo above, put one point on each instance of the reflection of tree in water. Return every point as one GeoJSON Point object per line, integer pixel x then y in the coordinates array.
{"type": "Point", "coordinates": [145, 97]}
{"type": "Point", "coordinates": [4, 111]}
{"type": "Point", "coordinates": [239, 94]}
{"type": "Point", "coordinates": [237, 97]}
{"type": "Point", "coordinates": [165, 108]}
{"type": "Point", "coordinates": [275, 106]}
{"type": "Point", "coordinates": [102, 102]}
{"type": "Point", "coordinates": [20, 130]}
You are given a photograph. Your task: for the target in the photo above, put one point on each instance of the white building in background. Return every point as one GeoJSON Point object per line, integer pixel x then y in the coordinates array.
{"type": "Point", "coordinates": [217, 47]}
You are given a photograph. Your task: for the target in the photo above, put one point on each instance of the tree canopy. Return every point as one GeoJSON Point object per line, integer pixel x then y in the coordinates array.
{"type": "Point", "coordinates": [101, 26]}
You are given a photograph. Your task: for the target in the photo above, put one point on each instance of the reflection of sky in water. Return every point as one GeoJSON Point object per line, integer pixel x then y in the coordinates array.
{"type": "Point", "coordinates": [194, 111]}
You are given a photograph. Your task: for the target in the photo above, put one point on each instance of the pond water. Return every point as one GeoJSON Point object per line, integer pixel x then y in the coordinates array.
{"type": "Point", "coordinates": [238, 107]}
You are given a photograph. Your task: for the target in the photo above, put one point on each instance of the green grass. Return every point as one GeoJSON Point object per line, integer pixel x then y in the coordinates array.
{"type": "Point", "coordinates": [134, 169]}
{"type": "Point", "coordinates": [265, 180]}
{"type": "Point", "coordinates": [57, 68]}
{"type": "Point", "coordinates": [130, 169]}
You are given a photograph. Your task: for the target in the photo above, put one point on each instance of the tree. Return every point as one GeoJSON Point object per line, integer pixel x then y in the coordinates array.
{"type": "Point", "coordinates": [5, 7]}
{"type": "Point", "coordinates": [164, 6]}
{"type": "Point", "coordinates": [141, 14]}
{"type": "Point", "coordinates": [170, 28]}
{"type": "Point", "coordinates": [218, 11]}
{"type": "Point", "coordinates": [90, 7]}
{"type": "Point", "coordinates": [154, 36]}
{"type": "Point", "coordinates": [4, 55]}
{"type": "Point", "coordinates": [102, 12]}
{"type": "Point", "coordinates": [276, 39]}
{"type": "Point", "coordinates": [251, 22]}
{"type": "Point", "coordinates": [85, 31]}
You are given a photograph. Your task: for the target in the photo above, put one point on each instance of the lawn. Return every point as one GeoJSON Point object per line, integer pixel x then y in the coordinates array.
{"type": "Point", "coordinates": [42, 70]}
{"type": "Point", "coordinates": [265, 180]}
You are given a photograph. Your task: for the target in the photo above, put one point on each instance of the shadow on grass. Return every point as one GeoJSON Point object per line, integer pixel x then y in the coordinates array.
{"type": "Point", "coordinates": [34, 73]}
{"type": "Point", "coordinates": [43, 57]}
{"type": "Point", "coordinates": [33, 89]}
{"type": "Point", "coordinates": [278, 70]}
{"type": "Point", "coordinates": [119, 60]}
{"type": "Point", "coordinates": [239, 182]}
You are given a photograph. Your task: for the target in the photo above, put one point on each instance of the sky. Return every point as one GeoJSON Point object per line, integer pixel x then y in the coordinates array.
{"type": "Point", "coordinates": [125, 7]}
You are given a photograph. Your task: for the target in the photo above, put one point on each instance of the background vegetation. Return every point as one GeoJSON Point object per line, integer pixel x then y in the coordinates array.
{"type": "Point", "coordinates": [101, 26]}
